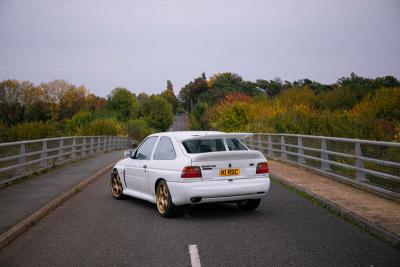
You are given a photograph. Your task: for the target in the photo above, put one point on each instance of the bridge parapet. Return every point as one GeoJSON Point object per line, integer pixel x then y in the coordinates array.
{"type": "Point", "coordinates": [372, 165]}
{"type": "Point", "coordinates": [19, 159]}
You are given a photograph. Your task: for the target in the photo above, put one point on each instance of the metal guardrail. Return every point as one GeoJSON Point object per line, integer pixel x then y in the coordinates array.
{"type": "Point", "coordinates": [373, 165]}
{"type": "Point", "coordinates": [19, 159]}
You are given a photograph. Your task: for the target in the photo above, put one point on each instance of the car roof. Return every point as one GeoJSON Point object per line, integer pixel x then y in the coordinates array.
{"type": "Point", "coordinates": [185, 135]}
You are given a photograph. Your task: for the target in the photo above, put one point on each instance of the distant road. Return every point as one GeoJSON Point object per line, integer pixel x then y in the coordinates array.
{"type": "Point", "coordinates": [180, 123]}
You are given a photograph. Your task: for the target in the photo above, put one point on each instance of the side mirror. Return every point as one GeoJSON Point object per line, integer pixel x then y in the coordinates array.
{"type": "Point", "coordinates": [129, 153]}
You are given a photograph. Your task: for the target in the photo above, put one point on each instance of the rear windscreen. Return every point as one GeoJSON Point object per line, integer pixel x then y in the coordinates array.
{"type": "Point", "coordinates": [211, 145]}
{"type": "Point", "coordinates": [204, 146]}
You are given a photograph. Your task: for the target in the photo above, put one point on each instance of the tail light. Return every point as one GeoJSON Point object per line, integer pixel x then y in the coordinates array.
{"type": "Point", "coordinates": [191, 172]}
{"type": "Point", "coordinates": [262, 167]}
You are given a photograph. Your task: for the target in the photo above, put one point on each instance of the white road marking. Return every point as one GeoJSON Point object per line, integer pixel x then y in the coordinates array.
{"type": "Point", "coordinates": [194, 256]}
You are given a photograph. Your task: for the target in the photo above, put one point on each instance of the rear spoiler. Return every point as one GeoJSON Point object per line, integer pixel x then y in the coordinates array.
{"type": "Point", "coordinates": [218, 136]}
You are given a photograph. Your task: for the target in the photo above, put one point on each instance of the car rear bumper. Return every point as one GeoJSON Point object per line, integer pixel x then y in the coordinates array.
{"type": "Point", "coordinates": [218, 191]}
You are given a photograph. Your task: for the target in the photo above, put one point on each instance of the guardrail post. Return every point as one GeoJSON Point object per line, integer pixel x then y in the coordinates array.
{"type": "Point", "coordinates": [73, 149]}
{"type": "Point", "coordinates": [105, 144]}
{"type": "Point", "coordinates": [61, 150]}
{"type": "Point", "coordinates": [91, 145]}
{"type": "Point", "coordinates": [283, 147]}
{"type": "Point", "coordinates": [270, 151]}
{"type": "Point", "coordinates": [260, 144]}
{"type": "Point", "coordinates": [21, 159]}
{"type": "Point", "coordinates": [109, 143]}
{"type": "Point", "coordinates": [360, 175]}
{"type": "Point", "coordinates": [98, 144]}
{"type": "Point", "coordinates": [83, 147]}
{"type": "Point", "coordinates": [43, 156]}
{"type": "Point", "coordinates": [300, 151]}
{"type": "Point", "coordinates": [324, 155]}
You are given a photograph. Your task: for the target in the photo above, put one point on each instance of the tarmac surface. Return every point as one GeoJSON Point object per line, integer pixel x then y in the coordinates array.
{"type": "Point", "coordinates": [378, 212]}
{"type": "Point", "coordinates": [20, 200]}
{"type": "Point", "coordinates": [93, 228]}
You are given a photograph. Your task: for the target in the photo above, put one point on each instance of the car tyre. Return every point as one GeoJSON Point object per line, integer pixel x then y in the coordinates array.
{"type": "Point", "coordinates": [116, 186]}
{"type": "Point", "coordinates": [248, 204]}
{"type": "Point", "coordinates": [164, 201]}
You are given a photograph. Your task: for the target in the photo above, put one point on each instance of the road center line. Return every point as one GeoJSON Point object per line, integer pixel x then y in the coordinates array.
{"type": "Point", "coordinates": [194, 256]}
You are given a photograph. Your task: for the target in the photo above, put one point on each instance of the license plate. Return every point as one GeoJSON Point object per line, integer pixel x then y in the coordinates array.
{"type": "Point", "coordinates": [229, 172]}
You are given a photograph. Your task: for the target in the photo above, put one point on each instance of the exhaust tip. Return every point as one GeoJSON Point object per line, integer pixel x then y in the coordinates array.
{"type": "Point", "coordinates": [195, 199]}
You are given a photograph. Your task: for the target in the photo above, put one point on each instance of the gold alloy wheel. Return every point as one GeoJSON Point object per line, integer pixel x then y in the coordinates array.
{"type": "Point", "coordinates": [116, 186]}
{"type": "Point", "coordinates": [162, 198]}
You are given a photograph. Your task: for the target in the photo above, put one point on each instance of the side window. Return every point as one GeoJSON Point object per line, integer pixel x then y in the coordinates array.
{"type": "Point", "coordinates": [164, 150]}
{"type": "Point", "coordinates": [145, 149]}
{"type": "Point", "coordinates": [234, 144]}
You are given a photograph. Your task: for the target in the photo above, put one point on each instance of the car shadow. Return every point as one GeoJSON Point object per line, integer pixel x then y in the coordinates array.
{"type": "Point", "coordinates": [222, 210]}
{"type": "Point", "coordinates": [206, 211]}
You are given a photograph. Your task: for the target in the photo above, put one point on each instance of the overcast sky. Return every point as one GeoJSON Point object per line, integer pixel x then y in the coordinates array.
{"type": "Point", "coordinates": [141, 44]}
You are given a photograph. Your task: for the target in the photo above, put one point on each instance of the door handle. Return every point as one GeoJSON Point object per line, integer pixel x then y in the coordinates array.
{"type": "Point", "coordinates": [144, 166]}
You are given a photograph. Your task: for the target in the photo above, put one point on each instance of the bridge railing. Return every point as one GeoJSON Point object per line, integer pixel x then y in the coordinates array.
{"type": "Point", "coordinates": [19, 159]}
{"type": "Point", "coordinates": [373, 165]}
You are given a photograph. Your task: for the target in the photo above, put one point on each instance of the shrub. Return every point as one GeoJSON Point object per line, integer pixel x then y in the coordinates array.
{"type": "Point", "coordinates": [103, 127]}
{"type": "Point", "coordinates": [78, 122]}
{"type": "Point", "coordinates": [33, 130]}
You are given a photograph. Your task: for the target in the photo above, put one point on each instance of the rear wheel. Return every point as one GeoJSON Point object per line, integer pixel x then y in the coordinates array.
{"type": "Point", "coordinates": [248, 204]}
{"type": "Point", "coordinates": [116, 186]}
{"type": "Point", "coordinates": [164, 202]}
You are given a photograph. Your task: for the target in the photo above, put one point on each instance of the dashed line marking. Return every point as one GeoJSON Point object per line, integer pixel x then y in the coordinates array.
{"type": "Point", "coordinates": [194, 256]}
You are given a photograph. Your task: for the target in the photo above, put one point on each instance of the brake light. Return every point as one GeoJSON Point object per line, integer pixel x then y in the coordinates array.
{"type": "Point", "coordinates": [262, 167]}
{"type": "Point", "coordinates": [191, 172]}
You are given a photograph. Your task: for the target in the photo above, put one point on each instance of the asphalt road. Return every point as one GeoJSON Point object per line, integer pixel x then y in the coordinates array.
{"type": "Point", "coordinates": [93, 228]}
{"type": "Point", "coordinates": [179, 123]}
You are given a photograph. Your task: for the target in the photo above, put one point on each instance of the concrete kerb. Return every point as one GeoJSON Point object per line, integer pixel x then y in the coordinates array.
{"type": "Point", "coordinates": [10, 235]}
{"type": "Point", "coordinates": [372, 228]}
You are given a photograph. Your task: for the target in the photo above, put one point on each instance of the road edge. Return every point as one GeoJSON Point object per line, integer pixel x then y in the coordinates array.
{"type": "Point", "coordinates": [369, 226]}
{"type": "Point", "coordinates": [11, 234]}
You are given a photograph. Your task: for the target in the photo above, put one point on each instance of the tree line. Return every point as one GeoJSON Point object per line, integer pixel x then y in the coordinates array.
{"type": "Point", "coordinates": [59, 108]}
{"type": "Point", "coordinates": [354, 106]}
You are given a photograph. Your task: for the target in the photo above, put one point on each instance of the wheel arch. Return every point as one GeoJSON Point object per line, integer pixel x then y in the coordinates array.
{"type": "Point", "coordinates": [156, 184]}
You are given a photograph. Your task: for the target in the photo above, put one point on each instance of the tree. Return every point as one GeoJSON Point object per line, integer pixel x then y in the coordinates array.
{"type": "Point", "coordinates": [190, 92]}
{"type": "Point", "coordinates": [123, 104]}
{"type": "Point", "coordinates": [169, 95]}
{"type": "Point", "coordinates": [137, 129]}
{"type": "Point", "coordinates": [11, 102]}
{"type": "Point", "coordinates": [157, 112]}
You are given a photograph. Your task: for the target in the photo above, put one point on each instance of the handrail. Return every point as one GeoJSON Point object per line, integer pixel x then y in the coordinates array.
{"type": "Point", "coordinates": [22, 158]}
{"type": "Point", "coordinates": [374, 165]}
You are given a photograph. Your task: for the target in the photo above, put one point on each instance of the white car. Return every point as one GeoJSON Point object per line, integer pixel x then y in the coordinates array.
{"type": "Point", "coordinates": [173, 169]}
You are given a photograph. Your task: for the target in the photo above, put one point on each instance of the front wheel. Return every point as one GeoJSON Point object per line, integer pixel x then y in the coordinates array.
{"type": "Point", "coordinates": [248, 204]}
{"type": "Point", "coordinates": [116, 186]}
{"type": "Point", "coordinates": [164, 202]}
